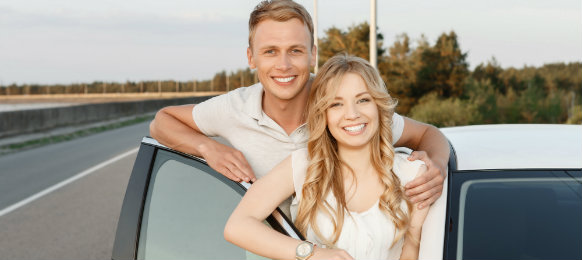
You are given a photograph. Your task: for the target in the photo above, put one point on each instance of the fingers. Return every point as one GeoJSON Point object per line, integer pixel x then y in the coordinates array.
{"type": "Point", "coordinates": [228, 174]}
{"type": "Point", "coordinates": [243, 167]}
{"type": "Point", "coordinates": [229, 162]}
{"type": "Point", "coordinates": [437, 191]}
{"type": "Point", "coordinates": [423, 175]}
{"type": "Point", "coordinates": [418, 155]}
{"type": "Point", "coordinates": [428, 197]}
{"type": "Point", "coordinates": [420, 189]}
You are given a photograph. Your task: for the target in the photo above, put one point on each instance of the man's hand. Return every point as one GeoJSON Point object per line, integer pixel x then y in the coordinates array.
{"type": "Point", "coordinates": [227, 161]}
{"type": "Point", "coordinates": [427, 187]}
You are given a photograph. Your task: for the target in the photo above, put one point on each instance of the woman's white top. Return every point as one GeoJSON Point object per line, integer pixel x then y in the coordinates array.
{"type": "Point", "coordinates": [365, 235]}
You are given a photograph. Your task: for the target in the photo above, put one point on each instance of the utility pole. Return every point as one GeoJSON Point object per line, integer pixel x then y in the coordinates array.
{"type": "Point", "coordinates": [315, 39]}
{"type": "Point", "coordinates": [160, 87]}
{"type": "Point", "coordinates": [373, 41]}
{"type": "Point", "coordinates": [227, 83]}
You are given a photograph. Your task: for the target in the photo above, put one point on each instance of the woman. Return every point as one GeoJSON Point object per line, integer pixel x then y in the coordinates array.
{"type": "Point", "coordinates": [349, 199]}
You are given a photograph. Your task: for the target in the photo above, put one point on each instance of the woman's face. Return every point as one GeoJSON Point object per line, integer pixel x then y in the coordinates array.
{"type": "Point", "coordinates": [353, 116]}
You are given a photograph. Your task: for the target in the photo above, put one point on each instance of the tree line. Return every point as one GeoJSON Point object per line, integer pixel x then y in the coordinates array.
{"type": "Point", "coordinates": [221, 81]}
{"type": "Point", "coordinates": [432, 82]}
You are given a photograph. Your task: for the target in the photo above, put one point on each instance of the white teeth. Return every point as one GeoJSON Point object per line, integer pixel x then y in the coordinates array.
{"type": "Point", "coordinates": [354, 128]}
{"type": "Point", "coordinates": [284, 80]}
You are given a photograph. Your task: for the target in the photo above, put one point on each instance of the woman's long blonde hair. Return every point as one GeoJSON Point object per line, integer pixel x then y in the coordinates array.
{"type": "Point", "coordinates": [324, 173]}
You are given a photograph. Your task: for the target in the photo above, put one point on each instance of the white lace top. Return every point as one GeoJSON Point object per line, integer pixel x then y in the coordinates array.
{"type": "Point", "coordinates": [365, 235]}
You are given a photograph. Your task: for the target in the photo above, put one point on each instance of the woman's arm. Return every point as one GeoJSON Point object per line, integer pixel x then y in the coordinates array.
{"type": "Point", "coordinates": [246, 230]}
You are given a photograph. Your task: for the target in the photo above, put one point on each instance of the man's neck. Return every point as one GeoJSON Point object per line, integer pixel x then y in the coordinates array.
{"type": "Point", "coordinates": [289, 114]}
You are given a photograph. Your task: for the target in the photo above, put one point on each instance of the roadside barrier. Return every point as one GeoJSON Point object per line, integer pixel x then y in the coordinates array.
{"type": "Point", "coordinates": [13, 123]}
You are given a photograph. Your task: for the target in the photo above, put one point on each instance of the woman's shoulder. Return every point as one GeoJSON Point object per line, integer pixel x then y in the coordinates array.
{"type": "Point", "coordinates": [299, 162]}
{"type": "Point", "coordinates": [403, 168]}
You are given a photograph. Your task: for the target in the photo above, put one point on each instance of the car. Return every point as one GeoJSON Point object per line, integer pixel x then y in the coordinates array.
{"type": "Point", "coordinates": [512, 192]}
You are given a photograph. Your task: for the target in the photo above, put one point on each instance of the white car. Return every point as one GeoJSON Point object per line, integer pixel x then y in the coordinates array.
{"type": "Point", "coordinates": [512, 192]}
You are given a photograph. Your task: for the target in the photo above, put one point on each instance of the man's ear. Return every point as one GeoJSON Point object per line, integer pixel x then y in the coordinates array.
{"type": "Point", "coordinates": [313, 55]}
{"type": "Point", "coordinates": [250, 58]}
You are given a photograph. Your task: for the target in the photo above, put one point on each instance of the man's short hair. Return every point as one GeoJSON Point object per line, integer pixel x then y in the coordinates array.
{"type": "Point", "coordinates": [280, 11]}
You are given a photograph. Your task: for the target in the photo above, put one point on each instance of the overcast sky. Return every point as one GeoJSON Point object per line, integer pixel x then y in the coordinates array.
{"type": "Point", "coordinates": [69, 41]}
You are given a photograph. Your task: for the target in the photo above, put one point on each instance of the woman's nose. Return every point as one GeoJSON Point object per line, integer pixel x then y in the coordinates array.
{"type": "Point", "coordinates": [352, 112]}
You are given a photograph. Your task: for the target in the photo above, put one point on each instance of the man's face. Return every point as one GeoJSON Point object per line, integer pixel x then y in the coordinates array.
{"type": "Point", "coordinates": [282, 54]}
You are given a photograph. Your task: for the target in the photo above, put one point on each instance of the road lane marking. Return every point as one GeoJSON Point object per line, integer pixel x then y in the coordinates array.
{"type": "Point", "coordinates": [61, 184]}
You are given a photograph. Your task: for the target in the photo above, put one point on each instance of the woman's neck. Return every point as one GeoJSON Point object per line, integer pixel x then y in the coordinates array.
{"type": "Point", "coordinates": [358, 159]}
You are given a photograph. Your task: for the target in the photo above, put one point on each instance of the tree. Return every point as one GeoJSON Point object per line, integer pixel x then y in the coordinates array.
{"type": "Point", "coordinates": [444, 68]}
{"type": "Point", "coordinates": [398, 70]}
{"type": "Point", "coordinates": [355, 42]}
{"type": "Point", "coordinates": [491, 72]}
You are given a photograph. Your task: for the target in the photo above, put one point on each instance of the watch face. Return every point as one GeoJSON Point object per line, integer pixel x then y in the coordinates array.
{"type": "Point", "coordinates": [304, 249]}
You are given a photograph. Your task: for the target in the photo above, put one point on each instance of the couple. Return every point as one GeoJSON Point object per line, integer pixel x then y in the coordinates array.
{"type": "Point", "coordinates": [265, 122]}
{"type": "Point", "coordinates": [349, 200]}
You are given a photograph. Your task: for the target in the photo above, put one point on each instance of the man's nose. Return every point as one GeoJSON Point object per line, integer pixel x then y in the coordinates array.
{"type": "Point", "coordinates": [284, 62]}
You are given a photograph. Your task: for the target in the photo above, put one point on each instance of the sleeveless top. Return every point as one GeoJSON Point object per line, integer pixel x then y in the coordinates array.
{"type": "Point", "coordinates": [365, 235]}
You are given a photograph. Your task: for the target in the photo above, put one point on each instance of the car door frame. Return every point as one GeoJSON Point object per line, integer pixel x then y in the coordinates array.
{"type": "Point", "coordinates": [129, 226]}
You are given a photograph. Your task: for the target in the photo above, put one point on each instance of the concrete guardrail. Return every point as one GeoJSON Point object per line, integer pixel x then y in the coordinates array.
{"type": "Point", "coordinates": [13, 123]}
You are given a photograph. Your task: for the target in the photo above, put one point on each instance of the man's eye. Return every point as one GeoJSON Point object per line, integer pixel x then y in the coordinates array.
{"type": "Point", "coordinates": [296, 51]}
{"type": "Point", "coordinates": [270, 52]}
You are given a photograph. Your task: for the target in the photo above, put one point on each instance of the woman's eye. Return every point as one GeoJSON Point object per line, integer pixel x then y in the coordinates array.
{"type": "Point", "coordinates": [363, 100]}
{"type": "Point", "coordinates": [334, 105]}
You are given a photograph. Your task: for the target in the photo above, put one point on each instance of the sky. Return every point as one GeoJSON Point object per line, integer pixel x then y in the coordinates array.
{"type": "Point", "coordinates": [78, 41]}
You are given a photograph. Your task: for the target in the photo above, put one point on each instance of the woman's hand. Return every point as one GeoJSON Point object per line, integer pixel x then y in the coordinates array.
{"type": "Point", "coordinates": [330, 254]}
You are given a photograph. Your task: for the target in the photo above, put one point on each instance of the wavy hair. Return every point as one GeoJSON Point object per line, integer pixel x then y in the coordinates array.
{"type": "Point", "coordinates": [324, 173]}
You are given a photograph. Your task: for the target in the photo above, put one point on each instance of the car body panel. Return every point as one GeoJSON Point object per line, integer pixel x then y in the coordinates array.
{"type": "Point", "coordinates": [516, 146]}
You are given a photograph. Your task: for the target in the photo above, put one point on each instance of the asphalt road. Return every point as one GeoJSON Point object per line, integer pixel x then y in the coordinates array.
{"type": "Point", "coordinates": [77, 220]}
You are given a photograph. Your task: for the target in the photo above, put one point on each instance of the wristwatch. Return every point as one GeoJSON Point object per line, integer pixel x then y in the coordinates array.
{"type": "Point", "coordinates": [304, 250]}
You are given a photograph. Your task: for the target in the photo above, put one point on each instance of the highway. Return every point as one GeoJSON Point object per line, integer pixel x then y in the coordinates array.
{"type": "Point", "coordinates": [62, 201]}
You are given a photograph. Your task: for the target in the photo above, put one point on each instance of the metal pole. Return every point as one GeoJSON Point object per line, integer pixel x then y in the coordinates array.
{"type": "Point", "coordinates": [373, 41]}
{"type": "Point", "coordinates": [160, 87]}
{"type": "Point", "coordinates": [315, 39]}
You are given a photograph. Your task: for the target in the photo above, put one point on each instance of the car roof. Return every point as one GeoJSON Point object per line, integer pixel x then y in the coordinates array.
{"type": "Point", "coordinates": [520, 146]}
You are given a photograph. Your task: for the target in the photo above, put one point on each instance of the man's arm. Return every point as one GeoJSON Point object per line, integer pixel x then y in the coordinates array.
{"type": "Point", "coordinates": [174, 127]}
{"type": "Point", "coordinates": [430, 146]}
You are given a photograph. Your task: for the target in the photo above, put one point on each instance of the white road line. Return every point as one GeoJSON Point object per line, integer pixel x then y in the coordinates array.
{"type": "Point", "coordinates": [65, 182]}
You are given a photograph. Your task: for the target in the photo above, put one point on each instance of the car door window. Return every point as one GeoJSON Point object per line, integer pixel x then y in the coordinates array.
{"type": "Point", "coordinates": [185, 212]}
{"type": "Point", "coordinates": [536, 216]}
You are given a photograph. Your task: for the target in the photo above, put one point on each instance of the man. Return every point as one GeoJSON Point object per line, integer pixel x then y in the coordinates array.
{"type": "Point", "coordinates": [265, 122]}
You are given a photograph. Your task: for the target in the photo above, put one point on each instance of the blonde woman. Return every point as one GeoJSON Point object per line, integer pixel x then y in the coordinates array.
{"type": "Point", "coordinates": [347, 184]}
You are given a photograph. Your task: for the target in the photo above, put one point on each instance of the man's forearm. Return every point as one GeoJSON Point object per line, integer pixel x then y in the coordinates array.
{"type": "Point", "coordinates": [435, 144]}
{"type": "Point", "coordinates": [175, 134]}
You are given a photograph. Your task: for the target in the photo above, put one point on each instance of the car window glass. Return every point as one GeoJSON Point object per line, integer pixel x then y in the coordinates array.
{"type": "Point", "coordinates": [185, 213]}
{"type": "Point", "coordinates": [520, 218]}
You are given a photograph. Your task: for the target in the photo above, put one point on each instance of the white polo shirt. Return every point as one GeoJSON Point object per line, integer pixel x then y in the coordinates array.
{"type": "Point", "coordinates": [238, 117]}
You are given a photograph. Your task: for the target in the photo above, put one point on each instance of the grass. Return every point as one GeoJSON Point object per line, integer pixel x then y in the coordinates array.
{"type": "Point", "coordinates": [10, 148]}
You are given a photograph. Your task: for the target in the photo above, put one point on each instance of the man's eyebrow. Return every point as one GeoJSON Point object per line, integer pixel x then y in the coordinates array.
{"type": "Point", "coordinates": [298, 46]}
{"type": "Point", "coordinates": [268, 47]}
